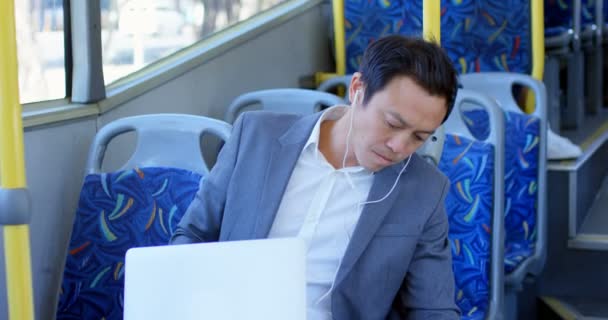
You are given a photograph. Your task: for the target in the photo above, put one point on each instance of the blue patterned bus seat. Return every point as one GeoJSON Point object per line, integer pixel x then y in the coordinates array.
{"type": "Point", "coordinates": [588, 12]}
{"type": "Point", "coordinates": [558, 17]}
{"type": "Point", "coordinates": [118, 211]}
{"type": "Point", "coordinates": [366, 21]}
{"type": "Point", "coordinates": [487, 35]}
{"type": "Point", "coordinates": [479, 35]}
{"type": "Point", "coordinates": [605, 9]}
{"type": "Point", "coordinates": [521, 180]}
{"type": "Point", "coordinates": [470, 167]}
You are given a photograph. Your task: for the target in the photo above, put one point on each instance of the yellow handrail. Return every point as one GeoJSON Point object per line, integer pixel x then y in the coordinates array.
{"type": "Point", "coordinates": [339, 46]}
{"type": "Point", "coordinates": [12, 171]}
{"type": "Point", "coordinates": [538, 39]}
{"type": "Point", "coordinates": [537, 16]}
{"type": "Point", "coordinates": [431, 20]}
{"type": "Point", "coordinates": [339, 36]}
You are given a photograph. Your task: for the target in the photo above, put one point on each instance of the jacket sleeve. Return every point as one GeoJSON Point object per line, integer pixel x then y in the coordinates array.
{"type": "Point", "coordinates": [428, 289]}
{"type": "Point", "coordinates": [203, 218]}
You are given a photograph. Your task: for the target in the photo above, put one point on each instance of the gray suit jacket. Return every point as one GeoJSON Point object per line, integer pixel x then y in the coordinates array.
{"type": "Point", "coordinates": [398, 262]}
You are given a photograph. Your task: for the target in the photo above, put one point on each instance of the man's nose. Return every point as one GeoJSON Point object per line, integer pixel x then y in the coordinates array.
{"type": "Point", "coordinates": [401, 145]}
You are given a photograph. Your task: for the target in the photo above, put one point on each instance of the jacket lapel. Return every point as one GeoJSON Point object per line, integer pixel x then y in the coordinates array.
{"type": "Point", "coordinates": [284, 156]}
{"type": "Point", "coordinates": [371, 219]}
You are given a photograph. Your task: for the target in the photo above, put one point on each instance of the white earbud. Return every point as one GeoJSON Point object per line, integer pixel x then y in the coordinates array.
{"type": "Point", "coordinates": [356, 99]}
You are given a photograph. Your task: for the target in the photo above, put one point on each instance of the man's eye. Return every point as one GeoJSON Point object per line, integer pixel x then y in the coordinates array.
{"type": "Point", "coordinates": [390, 125]}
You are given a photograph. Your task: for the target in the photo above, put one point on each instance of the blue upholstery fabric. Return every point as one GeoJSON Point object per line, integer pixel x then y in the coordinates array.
{"type": "Point", "coordinates": [487, 35]}
{"type": "Point", "coordinates": [478, 123]}
{"type": "Point", "coordinates": [521, 187]}
{"type": "Point", "coordinates": [521, 178]}
{"type": "Point", "coordinates": [558, 13]}
{"type": "Point", "coordinates": [605, 9]}
{"type": "Point", "coordinates": [470, 167]}
{"type": "Point", "coordinates": [588, 12]}
{"type": "Point", "coordinates": [118, 211]}
{"type": "Point", "coordinates": [479, 35]}
{"type": "Point", "coordinates": [366, 21]}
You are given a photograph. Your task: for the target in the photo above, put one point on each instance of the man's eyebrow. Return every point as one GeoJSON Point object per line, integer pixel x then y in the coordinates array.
{"type": "Point", "coordinates": [405, 124]}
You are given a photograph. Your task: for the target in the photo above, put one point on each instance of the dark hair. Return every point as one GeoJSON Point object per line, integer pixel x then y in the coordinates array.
{"type": "Point", "coordinates": [424, 62]}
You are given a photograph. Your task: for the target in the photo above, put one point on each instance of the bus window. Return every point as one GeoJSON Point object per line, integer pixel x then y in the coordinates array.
{"type": "Point", "coordinates": [136, 33]}
{"type": "Point", "coordinates": [40, 49]}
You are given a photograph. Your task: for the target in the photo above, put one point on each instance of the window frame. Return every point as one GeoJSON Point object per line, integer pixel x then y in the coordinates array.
{"type": "Point", "coordinates": [89, 95]}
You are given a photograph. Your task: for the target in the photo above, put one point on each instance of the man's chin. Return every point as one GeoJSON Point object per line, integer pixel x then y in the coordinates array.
{"type": "Point", "coordinates": [373, 167]}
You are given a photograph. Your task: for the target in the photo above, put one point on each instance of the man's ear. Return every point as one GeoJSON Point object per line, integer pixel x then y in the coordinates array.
{"type": "Point", "coordinates": [356, 88]}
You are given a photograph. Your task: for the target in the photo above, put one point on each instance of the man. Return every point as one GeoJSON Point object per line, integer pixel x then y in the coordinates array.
{"type": "Point", "coordinates": [348, 182]}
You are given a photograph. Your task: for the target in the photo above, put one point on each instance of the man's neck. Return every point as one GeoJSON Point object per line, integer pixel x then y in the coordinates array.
{"type": "Point", "coordinates": [332, 141]}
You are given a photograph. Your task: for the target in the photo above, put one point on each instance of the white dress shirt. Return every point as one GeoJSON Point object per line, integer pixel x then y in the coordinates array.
{"type": "Point", "coordinates": [321, 204]}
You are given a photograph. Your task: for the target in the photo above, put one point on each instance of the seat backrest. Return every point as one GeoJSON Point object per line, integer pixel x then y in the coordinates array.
{"type": "Point", "coordinates": [588, 12]}
{"type": "Point", "coordinates": [605, 11]}
{"type": "Point", "coordinates": [479, 35]}
{"type": "Point", "coordinates": [298, 101]}
{"type": "Point", "coordinates": [336, 82]}
{"type": "Point", "coordinates": [366, 21]}
{"type": "Point", "coordinates": [475, 207]}
{"type": "Point", "coordinates": [118, 211]}
{"type": "Point", "coordinates": [487, 35]}
{"type": "Point", "coordinates": [525, 166]}
{"type": "Point", "coordinates": [139, 205]}
{"type": "Point", "coordinates": [163, 140]}
{"type": "Point", "coordinates": [559, 14]}
{"type": "Point", "coordinates": [525, 162]}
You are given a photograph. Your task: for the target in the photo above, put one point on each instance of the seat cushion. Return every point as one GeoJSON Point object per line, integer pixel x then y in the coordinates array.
{"type": "Point", "coordinates": [118, 211]}
{"type": "Point", "coordinates": [469, 204]}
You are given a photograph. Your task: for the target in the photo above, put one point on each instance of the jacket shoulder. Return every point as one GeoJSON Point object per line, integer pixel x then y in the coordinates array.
{"type": "Point", "coordinates": [428, 171]}
{"type": "Point", "coordinates": [259, 122]}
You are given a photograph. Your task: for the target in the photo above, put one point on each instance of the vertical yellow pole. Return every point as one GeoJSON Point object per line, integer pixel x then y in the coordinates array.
{"type": "Point", "coordinates": [12, 170]}
{"type": "Point", "coordinates": [538, 49]}
{"type": "Point", "coordinates": [339, 36]}
{"type": "Point", "coordinates": [431, 20]}
{"type": "Point", "coordinates": [340, 46]}
{"type": "Point", "coordinates": [538, 39]}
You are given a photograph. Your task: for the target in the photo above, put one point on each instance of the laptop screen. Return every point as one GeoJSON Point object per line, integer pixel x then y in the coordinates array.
{"type": "Point", "coordinates": [253, 279]}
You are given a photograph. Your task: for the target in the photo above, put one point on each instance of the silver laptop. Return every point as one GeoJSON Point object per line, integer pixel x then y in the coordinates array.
{"type": "Point", "coordinates": [254, 279]}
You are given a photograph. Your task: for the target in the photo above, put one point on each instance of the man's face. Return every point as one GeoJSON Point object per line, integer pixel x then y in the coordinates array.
{"type": "Point", "coordinates": [394, 123]}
